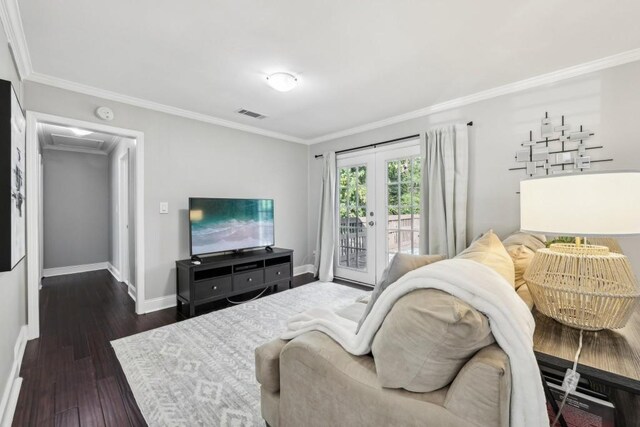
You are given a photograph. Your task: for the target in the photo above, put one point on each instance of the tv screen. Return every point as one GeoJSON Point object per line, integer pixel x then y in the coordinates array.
{"type": "Point", "coordinates": [219, 225]}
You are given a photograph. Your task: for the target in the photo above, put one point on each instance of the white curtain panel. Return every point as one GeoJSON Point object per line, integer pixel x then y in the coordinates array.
{"type": "Point", "coordinates": [325, 245]}
{"type": "Point", "coordinates": [445, 177]}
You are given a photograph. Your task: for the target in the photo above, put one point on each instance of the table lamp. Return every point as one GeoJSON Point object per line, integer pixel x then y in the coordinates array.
{"type": "Point", "coordinates": [581, 285]}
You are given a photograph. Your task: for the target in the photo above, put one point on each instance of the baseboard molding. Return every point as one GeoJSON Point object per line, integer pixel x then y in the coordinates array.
{"type": "Point", "coordinates": [60, 271]}
{"type": "Point", "coordinates": [131, 290]}
{"type": "Point", "coordinates": [304, 269]}
{"type": "Point", "coordinates": [161, 303]}
{"type": "Point", "coordinates": [114, 271]}
{"type": "Point", "coordinates": [14, 382]}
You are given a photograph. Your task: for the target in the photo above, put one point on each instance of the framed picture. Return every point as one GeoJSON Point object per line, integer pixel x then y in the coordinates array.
{"type": "Point", "coordinates": [12, 178]}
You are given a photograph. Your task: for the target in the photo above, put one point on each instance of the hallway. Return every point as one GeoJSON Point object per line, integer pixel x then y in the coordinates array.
{"type": "Point", "coordinates": [71, 374]}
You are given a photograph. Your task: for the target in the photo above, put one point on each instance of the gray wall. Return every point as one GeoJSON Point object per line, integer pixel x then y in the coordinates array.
{"type": "Point", "coordinates": [13, 284]}
{"type": "Point", "coordinates": [185, 158]}
{"type": "Point", "coordinates": [606, 102]}
{"type": "Point", "coordinates": [76, 208]}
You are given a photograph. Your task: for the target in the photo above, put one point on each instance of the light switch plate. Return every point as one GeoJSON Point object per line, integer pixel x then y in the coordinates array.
{"type": "Point", "coordinates": [164, 207]}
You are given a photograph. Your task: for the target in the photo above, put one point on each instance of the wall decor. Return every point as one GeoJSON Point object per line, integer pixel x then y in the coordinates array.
{"type": "Point", "coordinates": [559, 149]}
{"type": "Point", "coordinates": [12, 178]}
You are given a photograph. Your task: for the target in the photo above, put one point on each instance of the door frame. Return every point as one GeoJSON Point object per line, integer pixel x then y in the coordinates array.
{"type": "Point", "coordinates": [123, 218]}
{"type": "Point", "coordinates": [33, 189]}
{"type": "Point", "coordinates": [378, 185]}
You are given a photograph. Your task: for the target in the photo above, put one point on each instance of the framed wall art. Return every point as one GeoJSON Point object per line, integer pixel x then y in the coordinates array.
{"type": "Point", "coordinates": [12, 178]}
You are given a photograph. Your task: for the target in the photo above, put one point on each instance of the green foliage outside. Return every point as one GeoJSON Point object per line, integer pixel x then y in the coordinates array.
{"type": "Point", "coordinates": [403, 179]}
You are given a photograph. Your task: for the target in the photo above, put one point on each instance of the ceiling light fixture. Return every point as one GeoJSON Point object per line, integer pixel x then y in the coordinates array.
{"type": "Point", "coordinates": [80, 132]}
{"type": "Point", "coordinates": [282, 82]}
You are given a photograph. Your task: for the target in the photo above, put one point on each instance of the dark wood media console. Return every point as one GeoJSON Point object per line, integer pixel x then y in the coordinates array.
{"type": "Point", "coordinates": [222, 276]}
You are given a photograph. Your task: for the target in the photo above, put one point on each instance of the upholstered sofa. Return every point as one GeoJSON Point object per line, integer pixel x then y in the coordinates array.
{"type": "Point", "coordinates": [311, 381]}
{"type": "Point", "coordinates": [434, 361]}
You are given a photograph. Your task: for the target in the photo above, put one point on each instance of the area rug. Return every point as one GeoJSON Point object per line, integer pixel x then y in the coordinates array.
{"type": "Point", "coordinates": [201, 372]}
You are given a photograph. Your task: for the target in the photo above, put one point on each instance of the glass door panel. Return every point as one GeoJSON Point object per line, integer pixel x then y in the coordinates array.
{"type": "Point", "coordinates": [355, 257]}
{"type": "Point", "coordinates": [399, 199]}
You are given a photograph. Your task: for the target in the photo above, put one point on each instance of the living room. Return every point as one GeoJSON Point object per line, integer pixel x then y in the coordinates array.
{"type": "Point", "coordinates": [338, 89]}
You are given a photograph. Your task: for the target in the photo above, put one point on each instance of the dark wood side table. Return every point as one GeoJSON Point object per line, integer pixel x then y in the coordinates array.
{"type": "Point", "coordinates": [609, 361]}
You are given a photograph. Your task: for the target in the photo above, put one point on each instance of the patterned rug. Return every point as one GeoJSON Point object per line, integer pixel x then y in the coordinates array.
{"type": "Point", "coordinates": [201, 372]}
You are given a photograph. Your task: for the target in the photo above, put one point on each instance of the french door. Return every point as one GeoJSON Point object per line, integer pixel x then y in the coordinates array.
{"type": "Point", "coordinates": [378, 209]}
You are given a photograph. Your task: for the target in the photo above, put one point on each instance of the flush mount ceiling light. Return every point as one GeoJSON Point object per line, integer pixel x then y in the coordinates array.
{"type": "Point", "coordinates": [282, 82]}
{"type": "Point", "coordinates": [80, 132]}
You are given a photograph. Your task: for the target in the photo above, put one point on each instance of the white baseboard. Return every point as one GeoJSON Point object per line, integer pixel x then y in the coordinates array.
{"type": "Point", "coordinates": [72, 269]}
{"type": "Point", "coordinates": [114, 271]}
{"type": "Point", "coordinates": [303, 269]}
{"type": "Point", "coordinates": [14, 382]}
{"type": "Point", "coordinates": [131, 290]}
{"type": "Point", "coordinates": [161, 303]}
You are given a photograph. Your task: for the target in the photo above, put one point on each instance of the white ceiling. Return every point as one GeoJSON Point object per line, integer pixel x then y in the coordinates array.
{"type": "Point", "coordinates": [54, 137]}
{"type": "Point", "coordinates": [358, 61]}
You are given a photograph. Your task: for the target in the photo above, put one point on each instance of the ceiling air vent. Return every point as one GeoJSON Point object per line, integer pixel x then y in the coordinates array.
{"type": "Point", "coordinates": [251, 114]}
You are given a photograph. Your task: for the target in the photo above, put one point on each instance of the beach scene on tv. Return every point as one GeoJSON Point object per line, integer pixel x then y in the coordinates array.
{"type": "Point", "coordinates": [228, 224]}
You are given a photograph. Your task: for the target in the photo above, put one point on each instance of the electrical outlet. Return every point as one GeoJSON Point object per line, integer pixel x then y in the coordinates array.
{"type": "Point", "coordinates": [570, 382]}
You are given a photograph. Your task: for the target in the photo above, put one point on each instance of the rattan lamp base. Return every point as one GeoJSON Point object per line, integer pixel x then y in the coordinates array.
{"type": "Point", "coordinates": [583, 286]}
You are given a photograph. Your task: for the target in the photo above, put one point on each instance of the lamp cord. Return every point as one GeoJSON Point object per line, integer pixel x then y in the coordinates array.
{"type": "Point", "coordinates": [566, 393]}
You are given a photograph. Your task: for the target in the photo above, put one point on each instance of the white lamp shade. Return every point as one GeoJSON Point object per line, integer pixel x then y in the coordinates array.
{"type": "Point", "coordinates": [584, 204]}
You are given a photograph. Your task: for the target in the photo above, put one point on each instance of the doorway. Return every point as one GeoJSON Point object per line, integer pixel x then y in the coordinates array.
{"type": "Point", "coordinates": [134, 172]}
{"type": "Point", "coordinates": [378, 209]}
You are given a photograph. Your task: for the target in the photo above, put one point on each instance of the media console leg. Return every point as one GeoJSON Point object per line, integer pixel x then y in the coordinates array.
{"type": "Point", "coordinates": [192, 309]}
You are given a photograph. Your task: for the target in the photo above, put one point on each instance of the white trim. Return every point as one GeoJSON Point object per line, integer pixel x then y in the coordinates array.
{"type": "Point", "coordinates": [131, 290]}
{"type": "Point", "coordinates": [160, 303]}
{"type": "Point", "coordinates": [114, 272]}
{"type": "Point", "coordinates": [73, 269]}
{"type": "Point", "coordinates": [304, 269]}
{"type": "Point", "coordinates": [12, 23]}
{"type": "Point", "coordinates": [33, 227]}
{"type": "Point", "coordinates": [14, 382]}
{"type": "Point", "coordinates": [541, 80]}
{"type": "Point", "coordinates": [33, 187]}
{"type": "Point", "coordinates": [75, 150]}
{"type": "Point", "coordinates": [155, 106]}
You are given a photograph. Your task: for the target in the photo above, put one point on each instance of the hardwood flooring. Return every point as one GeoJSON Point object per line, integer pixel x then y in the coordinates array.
{"type": "Point", "coordinates": [71, 376]}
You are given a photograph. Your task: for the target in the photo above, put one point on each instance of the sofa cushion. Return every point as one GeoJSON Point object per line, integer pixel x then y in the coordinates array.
{"type": "Point", "coordinates": [426, 339]}
{"type": "Point", "coordinates": [400, 265]}
{"type": "Point", "coordinates": [490, 251]}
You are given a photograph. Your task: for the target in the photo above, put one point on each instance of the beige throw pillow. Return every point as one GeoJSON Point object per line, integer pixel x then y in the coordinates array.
{"type": "Point", "coordinates": [400, 265]}
{"type": "Point", "coordinates": [426, 339]}
{"type": "Point", "coordinates": [522, 247]}
{"type": "Point", "coordinates": [490, 251]}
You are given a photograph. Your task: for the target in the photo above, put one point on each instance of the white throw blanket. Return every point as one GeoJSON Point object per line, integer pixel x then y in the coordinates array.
{"type": "Point", "coordinates": [509, 317]}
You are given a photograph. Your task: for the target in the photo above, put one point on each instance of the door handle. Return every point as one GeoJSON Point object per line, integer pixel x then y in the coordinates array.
{"type": "Point", "coordinates": [371, 223]}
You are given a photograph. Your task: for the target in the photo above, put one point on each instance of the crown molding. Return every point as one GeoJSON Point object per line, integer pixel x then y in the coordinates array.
{"type": "Point", "coordinates": [533, 82]}
{"type": "Point", "coordinates": [150, 105]}
{"type": "Point", "coordinates": [12, 23]}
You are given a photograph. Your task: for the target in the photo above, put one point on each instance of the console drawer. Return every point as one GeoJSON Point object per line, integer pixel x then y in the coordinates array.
{"type": "Point", "coordinates": [212, 288]}
{"type": "Point", "coordinates": [277, 272]}
{"type": "Point", "coordinates": [249, 279]}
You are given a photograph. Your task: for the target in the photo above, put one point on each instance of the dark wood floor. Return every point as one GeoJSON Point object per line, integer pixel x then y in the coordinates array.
{"type": "Point", "coordinates": [71, 376]}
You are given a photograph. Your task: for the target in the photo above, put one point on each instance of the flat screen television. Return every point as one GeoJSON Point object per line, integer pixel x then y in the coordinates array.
{"type": "Point", "coordinates": [219, 225]}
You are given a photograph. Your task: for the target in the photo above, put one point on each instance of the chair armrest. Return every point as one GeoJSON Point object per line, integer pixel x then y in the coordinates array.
{"type": "Point", "coordinates": [482, 389]}
{"type": "Point", "coordinates": [268, 364]}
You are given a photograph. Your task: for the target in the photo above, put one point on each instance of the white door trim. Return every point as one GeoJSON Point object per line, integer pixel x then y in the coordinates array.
{"type": "Point", "coordinates": [123, 216]}
{"type": "Point", "coordinates": [33, 208]}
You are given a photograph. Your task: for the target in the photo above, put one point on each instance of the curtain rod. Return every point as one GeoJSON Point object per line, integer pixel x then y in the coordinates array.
{"type": "Point", "coordinates": [375, 144]}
